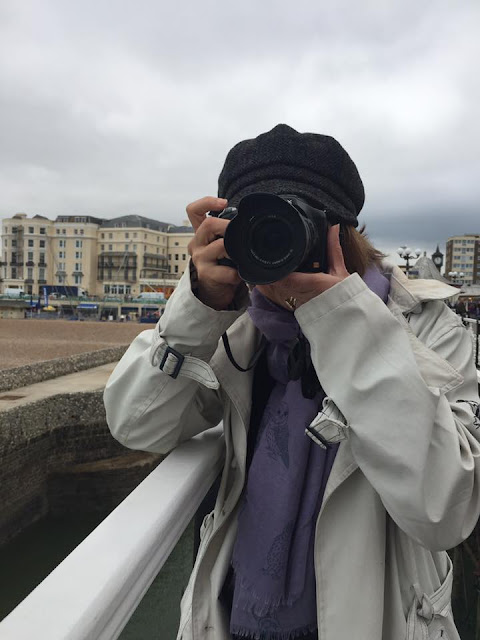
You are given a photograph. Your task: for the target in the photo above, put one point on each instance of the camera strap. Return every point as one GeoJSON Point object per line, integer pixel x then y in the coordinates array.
{"type": "Point", "coordinates": [254, 360]}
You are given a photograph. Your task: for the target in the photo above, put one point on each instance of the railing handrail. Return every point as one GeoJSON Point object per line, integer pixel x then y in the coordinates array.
{"type": "Point", "coordinates": [93, 593]}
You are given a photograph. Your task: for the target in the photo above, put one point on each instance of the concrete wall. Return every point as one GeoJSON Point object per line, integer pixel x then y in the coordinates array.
{"type": "Point", "coordinates": [40, 371]}
{"type": "Point", "coordinates": [43, 446]}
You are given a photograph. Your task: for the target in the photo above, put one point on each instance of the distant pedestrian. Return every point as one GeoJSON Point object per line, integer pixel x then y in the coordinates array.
{"type": "Point", "coordinates": [460, 309]}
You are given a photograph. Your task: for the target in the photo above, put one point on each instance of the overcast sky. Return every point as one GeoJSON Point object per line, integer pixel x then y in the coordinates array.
{"type": "Point", "coordinates": [116, 107]}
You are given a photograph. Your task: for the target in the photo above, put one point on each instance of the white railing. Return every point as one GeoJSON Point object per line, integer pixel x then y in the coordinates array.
{"type": "Point", "coordinates": [93, 593]}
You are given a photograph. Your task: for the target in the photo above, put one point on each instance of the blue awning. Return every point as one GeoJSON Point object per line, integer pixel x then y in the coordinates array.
{"type": "Point", "coordinates": [87, 305]}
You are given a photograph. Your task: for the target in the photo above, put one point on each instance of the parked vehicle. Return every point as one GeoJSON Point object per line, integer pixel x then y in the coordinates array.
{"type": "Point", "coordinates": [13, 292]}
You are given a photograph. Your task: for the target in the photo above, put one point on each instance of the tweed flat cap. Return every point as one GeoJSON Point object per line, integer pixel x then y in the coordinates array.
{"type": "Point", "coordinates": [283, 161]}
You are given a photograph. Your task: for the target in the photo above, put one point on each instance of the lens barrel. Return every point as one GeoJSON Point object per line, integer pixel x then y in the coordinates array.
{"type": "Point", "coordinates": [272, 236]}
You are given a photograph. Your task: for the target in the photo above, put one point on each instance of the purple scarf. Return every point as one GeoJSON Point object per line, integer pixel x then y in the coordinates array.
{"type": "Point", "coordinates": [273, 558]}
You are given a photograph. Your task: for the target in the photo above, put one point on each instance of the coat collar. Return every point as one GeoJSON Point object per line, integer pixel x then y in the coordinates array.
{"type": "Point", "coordinates": [409, 294]}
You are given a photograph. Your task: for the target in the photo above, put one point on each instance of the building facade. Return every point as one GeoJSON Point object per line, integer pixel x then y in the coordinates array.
{"type": "Point", "coordinates": [463, 256]}
{"type": "Point", "coordinates": [124, 256]}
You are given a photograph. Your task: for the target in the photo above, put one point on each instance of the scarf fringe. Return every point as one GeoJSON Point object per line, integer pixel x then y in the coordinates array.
{"type": "Point", "coordinates": [249, 634]}
{"type": "Point", "coordinates": [265, 603]}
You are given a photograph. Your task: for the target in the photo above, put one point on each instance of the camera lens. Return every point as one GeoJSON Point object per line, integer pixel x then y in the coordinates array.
{"type": "Point", "coordinates": [270, 240]}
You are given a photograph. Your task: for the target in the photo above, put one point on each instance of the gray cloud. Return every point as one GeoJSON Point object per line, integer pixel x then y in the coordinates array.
{"type": "Point", "coordinates": [132, 109]}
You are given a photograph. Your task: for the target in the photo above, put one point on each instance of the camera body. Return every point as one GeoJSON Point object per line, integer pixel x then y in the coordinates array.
{"type": "Point", "coordinates": [271, 236]}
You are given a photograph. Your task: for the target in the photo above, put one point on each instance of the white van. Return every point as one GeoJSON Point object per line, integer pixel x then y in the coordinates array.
{"type": "Point", "coordinates": [13, 292]}
{"type": "Point", "coordinates": [152, 295]}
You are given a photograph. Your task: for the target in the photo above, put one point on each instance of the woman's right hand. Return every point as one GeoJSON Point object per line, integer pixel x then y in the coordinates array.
{"type": "Point", "coordinates": [216, 284]}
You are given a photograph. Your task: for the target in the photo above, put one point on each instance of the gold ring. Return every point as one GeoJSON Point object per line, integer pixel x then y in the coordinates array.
{"type": "Point", "coordinates": [291, 302]}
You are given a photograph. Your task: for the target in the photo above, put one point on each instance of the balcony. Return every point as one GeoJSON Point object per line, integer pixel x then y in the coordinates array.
{"type": "Point", "coordinates": [42, 264]}
{"type": "Point", "coordinates": [30, 263]}
{"type": "Point", "coordinates": [117, 277]}
{"type": "Point", "coordinates": [15, 263]}
{"type": "Point", "coordinates": [29, 281]}
{"type": "Point", "coordinates": [42, 282]}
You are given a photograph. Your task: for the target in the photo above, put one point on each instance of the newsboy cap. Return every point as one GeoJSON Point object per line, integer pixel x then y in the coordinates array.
{"type": "Point", "coordinates": [283, 161]}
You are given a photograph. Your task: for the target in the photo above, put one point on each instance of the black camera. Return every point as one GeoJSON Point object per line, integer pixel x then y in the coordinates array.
{"type": "Point", "coordinates": [271, 236]}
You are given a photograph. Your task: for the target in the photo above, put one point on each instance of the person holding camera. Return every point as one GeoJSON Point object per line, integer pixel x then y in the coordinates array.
{"type": "Point", "coordinates": [349, 402]}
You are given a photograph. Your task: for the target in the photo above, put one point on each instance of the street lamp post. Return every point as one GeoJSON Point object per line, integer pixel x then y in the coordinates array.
{"type": "Point", "coordinates": [456, 277]}
{"type": "Point", "coordinates": [408, 254]}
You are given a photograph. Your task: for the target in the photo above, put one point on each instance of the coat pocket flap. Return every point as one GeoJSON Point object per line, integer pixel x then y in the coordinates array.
{"type": "Point", "coordinates": [431, 615]}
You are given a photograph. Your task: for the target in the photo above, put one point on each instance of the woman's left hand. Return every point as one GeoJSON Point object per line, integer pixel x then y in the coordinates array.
{"type": "Point", "coordinates": [302, 287]}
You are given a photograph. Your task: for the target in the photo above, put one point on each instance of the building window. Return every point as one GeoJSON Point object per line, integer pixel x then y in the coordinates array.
{"type": "Point", "coordinates": [81, 232]}
{"type": "Point", "coordinates": [43, 231]}
{"type": "Point", "coordinates": [134, 247]}
{"type": "Point", "coordinates": [176, 244]}
{"type": "Point", "coordinates": [14, 242]}
{"type": "Point", "coordinates": [75, 231]}
{"type": "Point", "coordinates": [14, 273]}
{"type": "Point", "coordinates": [78, 279]}
{"type": "Point", "coordinates": [110, 236]}
{"type": "Point", "coordinates": [110, 247]}
{"type": "Point", "coordinates": [42, 244]}
{"type": "Point", "coordinates": [126, 247]}
{"type": "Point", "coordinates": [78, 255]}
{"type": "Point", "coordinates": [176, 256]}
{"type": "Point", "coordinates": [127, 235]}
{"type": "Point", "coordinates": [78, 266]}
{"type": "Point", "coordinates": [30, 256]}
{"type": "Point", "coordinates": [184, 256]}
{"type": "Point", "coordinates": [30, 273]}
{"type": "Point", "coordinates": [41, 256]}
{"type": "Point", "coordinates": [102, 247]}
{"type": "Point", "coordinates": [79, 244]}
{"type": "Point", "coordinates": [169, 256]}
{"type": "Point", "coordinates": [41, 274]}
{"type": "Point", "coordinates": [31, 230]}
{"type": "Point", "coordinates": [176, 268]}
{"type": "Point", "coordinates": [31, 243]}
{"type": "Point", "coordinates": [58, 231]}
{"type": "Point", "coordinates": [135, 234]}
{"type": "Point", "coordinates": [120, 289]}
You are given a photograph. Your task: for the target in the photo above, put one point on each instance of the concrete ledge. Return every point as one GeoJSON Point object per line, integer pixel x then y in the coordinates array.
{"type": "Point", "coordinates": [41, 438]}
{"type": "Point", "coordinates": [39, 371]}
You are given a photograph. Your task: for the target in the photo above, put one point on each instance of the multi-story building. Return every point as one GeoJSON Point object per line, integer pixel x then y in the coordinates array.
{"type": "Point", "coordinates": [73, 252]}
{"type": "Point", "coordinates": [132, 256]}
{"type": "Point", "coordinates": [26, 243]}
{"type": "Point", "coordinates": [463, 256]}
{"type": "Point", "coordinates": [122, 256]}
{"type": "Point", "coordinates": [178, 241]}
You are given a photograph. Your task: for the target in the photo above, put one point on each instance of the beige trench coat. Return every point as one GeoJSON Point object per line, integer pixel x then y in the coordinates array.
{"type": "Point", "coordinates": [401, 391]}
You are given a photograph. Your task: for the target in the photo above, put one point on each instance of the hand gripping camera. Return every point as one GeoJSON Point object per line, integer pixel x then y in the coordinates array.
{"type": "Point", "coordinates": [271, 236]}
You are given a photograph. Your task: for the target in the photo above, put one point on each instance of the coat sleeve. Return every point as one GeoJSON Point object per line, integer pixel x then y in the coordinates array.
{"type": "Point", "coordinates": [409, 403]}
{"type": "Point", "coordinates": [146, 408]}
